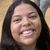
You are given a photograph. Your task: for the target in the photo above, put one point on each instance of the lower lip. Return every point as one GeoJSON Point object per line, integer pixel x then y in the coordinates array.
{"type": "Point", "coordinates": [30, 35]}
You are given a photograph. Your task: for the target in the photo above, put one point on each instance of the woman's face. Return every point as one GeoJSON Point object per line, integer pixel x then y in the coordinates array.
{"type": "Point", "coordinates": [25, 24]}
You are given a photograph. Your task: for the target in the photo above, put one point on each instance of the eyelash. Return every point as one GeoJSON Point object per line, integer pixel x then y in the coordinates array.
{"type": "Point", "coordinates": [32, 17]}
{"type": "Point", "coordinates": [17, 20]}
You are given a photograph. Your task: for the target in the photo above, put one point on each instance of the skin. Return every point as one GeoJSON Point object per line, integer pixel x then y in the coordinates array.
{"type": "Point", "coordinates": [25, 17]}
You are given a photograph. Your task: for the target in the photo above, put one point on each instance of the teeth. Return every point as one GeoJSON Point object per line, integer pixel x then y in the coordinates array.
{"type": "Point", "coordinates": [27, 33]}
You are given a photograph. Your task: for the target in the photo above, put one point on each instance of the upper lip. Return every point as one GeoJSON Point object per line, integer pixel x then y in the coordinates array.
{"type": "Point", "coordinates": [27, 29]}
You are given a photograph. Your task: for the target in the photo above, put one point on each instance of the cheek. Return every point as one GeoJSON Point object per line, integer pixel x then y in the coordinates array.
{"type": "Point", "coordinates": [15, 29]}
{"type": "Point", "coordinates": [37, 25]}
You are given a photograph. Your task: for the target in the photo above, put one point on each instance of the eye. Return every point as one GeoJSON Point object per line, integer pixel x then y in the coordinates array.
{"type": "Point", "coordinates": [17, 20]}
{"type": "Point", "coordinates": [32, 16]}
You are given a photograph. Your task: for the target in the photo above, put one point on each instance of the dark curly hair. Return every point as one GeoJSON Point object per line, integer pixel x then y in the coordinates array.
{"type": "Point", "coordinates": [7, 41]}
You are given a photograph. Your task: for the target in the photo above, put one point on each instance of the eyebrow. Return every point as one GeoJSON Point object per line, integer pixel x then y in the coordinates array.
{"type": "Point", "coordinates": [31, 13]}
{"type": "Point", "coordinates": [17, 16]}
{"type": "Point", "coordinates": [20, 15]}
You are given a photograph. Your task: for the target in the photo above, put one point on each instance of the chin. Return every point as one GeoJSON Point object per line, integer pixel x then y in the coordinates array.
{"type": "Point", "coordinates": [28, 42]}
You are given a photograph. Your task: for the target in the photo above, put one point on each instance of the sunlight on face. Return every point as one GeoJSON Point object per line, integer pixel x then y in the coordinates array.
{"type": "Point", "coordinates": [25, 24]}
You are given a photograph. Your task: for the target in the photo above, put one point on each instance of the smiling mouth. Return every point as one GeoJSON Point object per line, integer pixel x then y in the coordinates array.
{"type": "Point", "coordinates": [27, 32]}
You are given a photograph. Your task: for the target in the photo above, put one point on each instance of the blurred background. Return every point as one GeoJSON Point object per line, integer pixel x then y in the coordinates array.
{"type": "Point", "coordinates": [4, 4]}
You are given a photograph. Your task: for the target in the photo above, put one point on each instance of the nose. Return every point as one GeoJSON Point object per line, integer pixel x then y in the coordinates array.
{"type": "Point", "coordinates": [26, 22]}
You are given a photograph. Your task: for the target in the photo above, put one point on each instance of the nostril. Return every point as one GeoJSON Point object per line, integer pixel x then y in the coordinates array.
{"type": "Point", "coordinates": [26, 24]}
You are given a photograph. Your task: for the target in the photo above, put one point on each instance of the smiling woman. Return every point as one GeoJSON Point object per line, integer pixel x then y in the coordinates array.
{"type": "Point", "coordinates": [24, 28]}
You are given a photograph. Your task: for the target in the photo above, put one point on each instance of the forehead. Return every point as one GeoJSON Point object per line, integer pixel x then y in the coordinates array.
{"type": "Point", "coordinates": [24, 9]}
